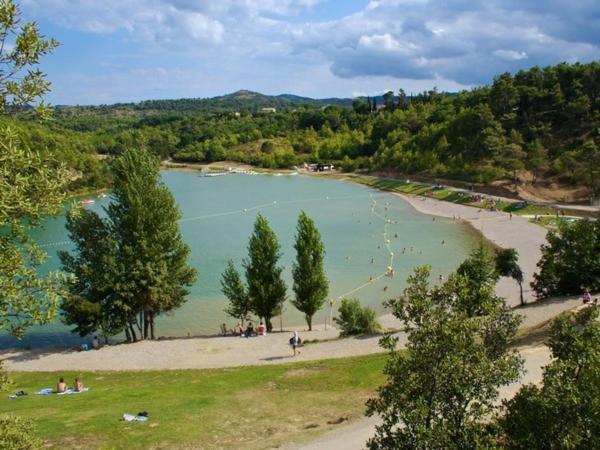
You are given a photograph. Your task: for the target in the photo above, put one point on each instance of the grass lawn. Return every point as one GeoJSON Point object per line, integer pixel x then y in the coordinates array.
{"type": "Point", "coordinates": [251, 407]}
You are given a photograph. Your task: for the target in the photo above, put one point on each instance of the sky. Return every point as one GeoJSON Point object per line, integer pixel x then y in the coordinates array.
{"type": "Point", "coordinates": [131, 50]}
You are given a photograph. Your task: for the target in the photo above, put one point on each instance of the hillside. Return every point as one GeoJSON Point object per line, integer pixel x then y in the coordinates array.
{"type": "Point", "coordinates": [242, 101]}
{"type": "Point", "coordinates": [536, 132]}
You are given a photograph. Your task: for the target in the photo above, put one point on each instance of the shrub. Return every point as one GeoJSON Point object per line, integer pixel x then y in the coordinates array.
{"type": "Point", "coordinates": [354, 319]}
{"type": "Point", "coordinates": [17, 433]}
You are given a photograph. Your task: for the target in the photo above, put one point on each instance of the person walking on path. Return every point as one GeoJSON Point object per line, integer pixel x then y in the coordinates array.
{"type": "Point", "coordinates": [295, 341]}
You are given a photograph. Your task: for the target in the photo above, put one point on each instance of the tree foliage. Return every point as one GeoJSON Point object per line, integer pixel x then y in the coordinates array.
{"type": "Point", "coordinates": [18, 433]}
{"type": "Point", "coordinates": [507, 265]}
{"type": "Point", "coordinates": [21, 48]}
{"type": "Point", "coordinates": [441, 390]}
{"type": "Point", "coordinates": [562, 413]}
{"type": "Point", "coordinates": [570, 260]}
{"type": "Point", "coordinates": [141, 259]}
{"type": "Point", "coordinates": [266, 288]}
{"type": "Point", "coordinates": [310, 283]}
{"type": "Point", "coordinates": [233, 288]}
{"type": "Point", "coordinates": [355, 319]}
{"type": "Point", "coordinates": [479, 271]}
{"type": "Point", "coordinates": [31, 187]}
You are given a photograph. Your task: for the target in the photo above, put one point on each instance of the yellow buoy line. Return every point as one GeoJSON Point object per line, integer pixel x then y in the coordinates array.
{"type": "Point", "coordinates": [240, 211]}
{"type": "Point", "coordinates": [388, 272]}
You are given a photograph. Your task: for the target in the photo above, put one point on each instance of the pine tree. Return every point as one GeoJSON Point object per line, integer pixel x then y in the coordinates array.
{"type": "Point", "coordinates": [233, 288]}
{"type": "Point", "coordinates": [310, 283]}
{"type": "Point", "coordinates": [266, 288]}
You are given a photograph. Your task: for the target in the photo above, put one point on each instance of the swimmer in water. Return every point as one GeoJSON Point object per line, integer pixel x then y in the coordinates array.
{"type": "Point", "coordinates": [396, 235]}
{"type": "Point", "coordinates": [443, 242]}
{"type": "Point", "coordinates": [372, 260]}
{"type": "Point", "coordinates": [385, 288]}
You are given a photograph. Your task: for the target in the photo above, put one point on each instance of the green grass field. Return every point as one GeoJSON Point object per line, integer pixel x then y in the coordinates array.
{"type": "Point", "coordinates": [251, 407]}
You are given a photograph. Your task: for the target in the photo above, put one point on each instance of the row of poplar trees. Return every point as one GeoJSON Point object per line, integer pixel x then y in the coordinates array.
{"type": "Point", "coordinates": [264, 292]}
{"type": "Point", "coordinates": [129, 265]}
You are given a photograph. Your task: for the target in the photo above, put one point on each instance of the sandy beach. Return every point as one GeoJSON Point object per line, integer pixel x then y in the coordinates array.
{"type": "Point", "coordinates": [498, 227]}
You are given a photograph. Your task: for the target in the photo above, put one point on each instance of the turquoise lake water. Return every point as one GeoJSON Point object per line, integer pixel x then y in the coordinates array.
{"type": "Point", "coordinates": [217, 218]}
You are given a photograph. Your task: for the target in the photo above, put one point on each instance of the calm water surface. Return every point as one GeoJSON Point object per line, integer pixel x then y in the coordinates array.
{"type": "Point", "coordinates": [217, 218]}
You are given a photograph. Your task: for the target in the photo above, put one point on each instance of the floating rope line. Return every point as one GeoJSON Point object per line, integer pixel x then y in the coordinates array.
{"type": "Point", "coordinates": [388, 272]}
{"type": "Point", "coordinates": [239, 211]}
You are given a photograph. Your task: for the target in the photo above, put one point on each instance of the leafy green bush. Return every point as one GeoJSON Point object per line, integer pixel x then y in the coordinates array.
{"type": "Point", "coordinates": [354, 319]}
{"type": "Point", "coordinates": [17, 433]}
{"type": "Point", "coordinates": [570, 260]}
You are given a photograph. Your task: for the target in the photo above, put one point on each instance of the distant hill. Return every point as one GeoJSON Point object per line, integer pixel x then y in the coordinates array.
{"type": "Point", "coordinates": [242, 101]}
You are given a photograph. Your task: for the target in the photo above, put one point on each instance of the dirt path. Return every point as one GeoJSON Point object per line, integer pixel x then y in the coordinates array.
{"type": "Point", "coordinates": [217, 352]}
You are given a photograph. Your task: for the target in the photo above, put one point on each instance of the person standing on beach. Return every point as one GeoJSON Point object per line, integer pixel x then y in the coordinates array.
{"type": "Point", "coordinates": [295, 341]}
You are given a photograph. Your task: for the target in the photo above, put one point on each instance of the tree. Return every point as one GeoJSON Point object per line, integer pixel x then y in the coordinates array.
{"type": "Point", "coordinates": [441, 391]}
{"type": "Point", "coordinates": [31, 186]}
{"type": "Point", "coordinates": [91, 304]}
{"type": "Point", "coordinates": [266, 288]}
{"type": "Point", "coordinates": [310, 283]}
{"type": "Point", "coordinates": [507, 265]}
{"type": "Point", "coordinates": [142, 251]}
{"type": "Point", "coordinates": [566, 405]}
{"type": "Point", "coordinates": [233, 288]}
{"type": "Point", "coordinates": [480, 273]}
{"type": "Point", "coordinates": [21, 84]}
{"type": "Point", "coordinates": [570, 260]}
{"type": "Point", "coordinates": [354, 319]}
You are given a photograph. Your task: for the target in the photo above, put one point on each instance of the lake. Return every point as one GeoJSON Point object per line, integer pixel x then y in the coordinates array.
{"type": "Point", "coordinates": [217, 218]}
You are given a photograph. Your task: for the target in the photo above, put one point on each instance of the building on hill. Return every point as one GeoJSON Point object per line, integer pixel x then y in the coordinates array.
{"type": "Point", "coordinates": [268, 110]}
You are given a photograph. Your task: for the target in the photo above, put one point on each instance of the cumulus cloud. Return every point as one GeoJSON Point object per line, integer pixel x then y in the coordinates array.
{"type": "Point", "coordinates": [464, 42]}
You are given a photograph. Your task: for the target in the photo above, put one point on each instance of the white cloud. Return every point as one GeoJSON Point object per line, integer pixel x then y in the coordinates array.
{"type": "Point", "coordinates": [510, 55]}
{"type": "Point", "coordinates": [450, 43]}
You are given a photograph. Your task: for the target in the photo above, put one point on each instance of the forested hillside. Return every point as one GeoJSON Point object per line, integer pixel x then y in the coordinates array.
{"type": "Point", "coordinates": [539, 125]}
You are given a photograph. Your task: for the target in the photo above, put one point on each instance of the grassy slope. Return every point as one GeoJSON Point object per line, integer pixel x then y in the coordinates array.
{"type": "Point", "coordinates": [253, 407]}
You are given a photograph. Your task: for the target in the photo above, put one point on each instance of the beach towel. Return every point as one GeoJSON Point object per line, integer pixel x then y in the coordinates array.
{"type": "Point", "coordinates": [45, 391]}
{"type": "Point", "coordinates": [73, 391]}
{"type": "Point", "coordinates": [132, 418]}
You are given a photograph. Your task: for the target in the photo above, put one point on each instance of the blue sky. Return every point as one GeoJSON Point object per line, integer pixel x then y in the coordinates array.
{"type": "Point", "coordinates": [130, 50]}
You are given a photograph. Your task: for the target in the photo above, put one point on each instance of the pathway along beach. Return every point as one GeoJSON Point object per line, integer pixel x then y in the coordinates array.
{"type": "Point", "coordinates": [217, 352]}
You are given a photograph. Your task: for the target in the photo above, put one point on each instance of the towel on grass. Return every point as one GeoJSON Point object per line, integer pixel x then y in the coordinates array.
{"type": "Point", "coordinates": [48, 391]}
{"type": "Point", "coordinates": [45, 391]}
{"type": "Point", "coordinates": [73, 391]}
{"type": "Point", "coordinates": [132, 418]}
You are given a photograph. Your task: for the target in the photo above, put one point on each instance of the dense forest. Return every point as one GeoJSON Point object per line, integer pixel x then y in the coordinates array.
{"type": "Point", "coordinates": [538, 124]}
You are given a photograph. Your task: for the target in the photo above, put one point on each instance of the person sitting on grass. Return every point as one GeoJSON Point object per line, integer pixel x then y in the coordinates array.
{"type": "Point", "coordinates": [262, 331]}
{"type": "Point", "coordinates": [250, 330]}
{"type": "Point", "coordinates": [238, 330]}
{"type": "Point", "coordinates": [61, 386]}
{"type": "Point", "coordinates": [78, 385]}
{"type": "Point", "coordinates": [224, 329]}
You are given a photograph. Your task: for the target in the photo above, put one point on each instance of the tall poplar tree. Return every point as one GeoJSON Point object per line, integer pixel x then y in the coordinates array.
{"type": "Point", "coordinates": [310, 283]}
{"type": "Point", "coordinates": [266, 288]}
